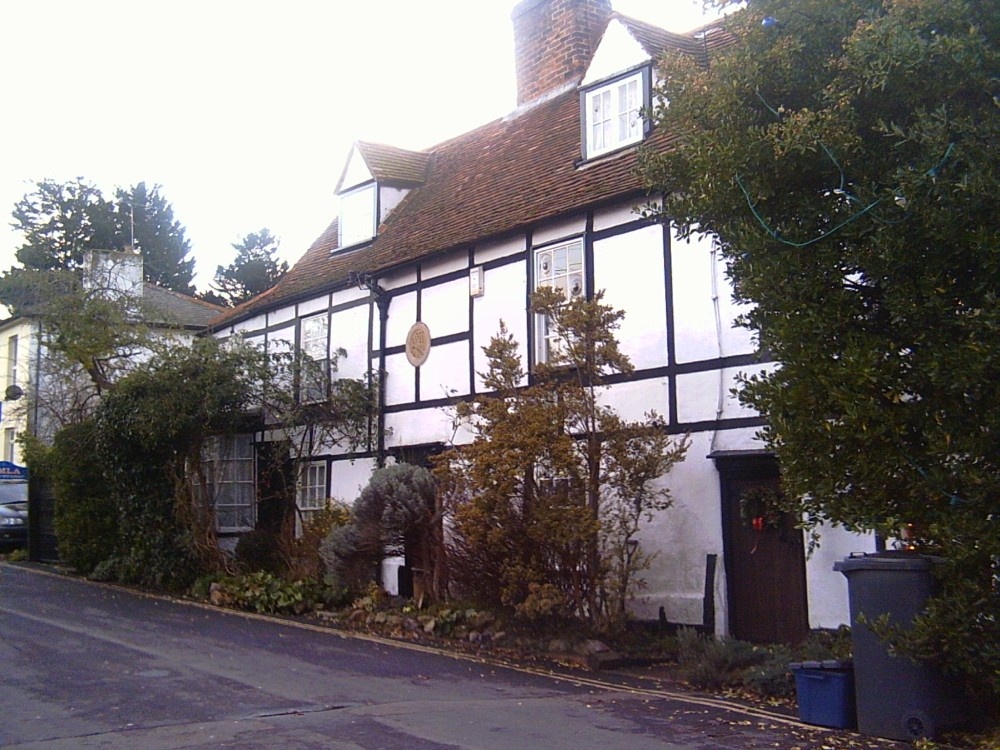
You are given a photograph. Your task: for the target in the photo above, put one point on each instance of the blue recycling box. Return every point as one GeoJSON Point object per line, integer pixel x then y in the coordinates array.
{"type": "Point", "coordinates": [825, 691]}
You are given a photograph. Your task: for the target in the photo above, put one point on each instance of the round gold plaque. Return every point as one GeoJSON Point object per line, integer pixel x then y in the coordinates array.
{"type": "Point", "coordinates": [418, 344]}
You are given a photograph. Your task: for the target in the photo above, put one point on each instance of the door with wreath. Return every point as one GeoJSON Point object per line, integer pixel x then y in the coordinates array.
{"type": "Point", "coordinates": [764, 554]}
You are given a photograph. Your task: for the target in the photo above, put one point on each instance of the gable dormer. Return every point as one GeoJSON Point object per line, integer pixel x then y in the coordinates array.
{"type": "Point", "coordinates": [617, 86]}
{"type": "Point", "coordinates": [615, 91]}
{"type": "Point", "coordinates": [375, 179]}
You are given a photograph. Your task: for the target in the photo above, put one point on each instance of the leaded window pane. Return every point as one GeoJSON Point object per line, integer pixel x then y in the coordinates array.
{"type": "Point", "coordinates": [562, 268]}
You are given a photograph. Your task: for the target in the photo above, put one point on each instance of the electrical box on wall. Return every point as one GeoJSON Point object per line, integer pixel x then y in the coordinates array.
{"type": "Point", "coordinates": [476, 282]}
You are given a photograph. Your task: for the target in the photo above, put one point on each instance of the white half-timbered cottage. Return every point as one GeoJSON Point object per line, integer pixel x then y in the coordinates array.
{"type": "Point", "coordinates": [432, 249]}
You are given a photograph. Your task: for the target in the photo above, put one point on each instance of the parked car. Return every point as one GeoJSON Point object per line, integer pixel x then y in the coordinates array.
{"type": "Point", "coordinates": [13, 514]}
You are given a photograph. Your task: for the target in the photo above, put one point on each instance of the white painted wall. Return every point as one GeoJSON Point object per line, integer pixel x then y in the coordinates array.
{"type": "Point", "coordinates": [405, 277]}
{"type": "Point", "coordinates": [559, 231]}
{"type": "Point", "coordinates": [505, 299]}
{"type": "Point", "coordinates": [701, 394]}
{"type": "Point", "coordinates": [113, 273]}
{"type": "Point", "coordinates": [309, 307]}
{"type": "Point", "coordinates": [281, 315]}
{"type": "Point", "coordinates": [255, 323]}
{"type": "Point", "coordinates": [440, 266]}
{"type": "Point", "coordinates": [500, 249]}
{"type": "Point", "coordinates": [388, 199]}
{"type": "Point", "coordinates": [632, 400]}
{"type": "Point", "coordinates": [281, 341]}
{"type": "Point", "coordinates": [14, 413]}
{"type": "Point", "coordinates": [617, 52]}
{"type": "Point", "coordinates": [445, 308]}
{"type": "Point", "coordinates": [445, 374]}
{"type": "Point", "coordinates": [828, 604]}
{"type": "Point", "coordinates": [355, 172]}
{"type": "Point", "coordinates": [703, 305]}
{"type": "Point", "coordinates": [402, 315]}
{"type": "Point", "coordinates": [682, 536]}
{"type": "Point", "coordinates": [400, 381]}
{"type": "Point", "coordinates": [629, 268]}
{"type": "Point", "coordinates": [349, 331]}
{"type": "Point", "coordinates": [607, 218]}
{"type": "Point", "coordinates": [419, 427]}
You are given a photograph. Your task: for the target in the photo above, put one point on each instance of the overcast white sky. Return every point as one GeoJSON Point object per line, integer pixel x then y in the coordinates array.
{"type": "Point", "coordinates": [244, 111]}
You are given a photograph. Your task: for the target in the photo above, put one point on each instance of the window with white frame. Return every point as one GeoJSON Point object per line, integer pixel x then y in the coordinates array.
{"type": "Point", "coordinates": [9, 444]}
{"type": "Point", "coordinates": [561, 267]}
{"type": "Point", "coordinates": [314, 345]}
{"type": "Point", "coordinates": [12, 360]}
{"type": "Point", "coordinates": [357, 215]}
{"type": "Point", "coordinates": [311, 494]}
{"type": "Point", "coordinates": [559, 489]}
{"type": "Point", "coordinates": [612, 113]}
{"type": "Point", "coordinates": [228, 464]}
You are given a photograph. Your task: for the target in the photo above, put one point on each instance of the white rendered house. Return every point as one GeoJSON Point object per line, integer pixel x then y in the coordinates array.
{"type": "Point", "coordinates": [432, 249]}
{"type": "Point", "coordinates": [43, 392]}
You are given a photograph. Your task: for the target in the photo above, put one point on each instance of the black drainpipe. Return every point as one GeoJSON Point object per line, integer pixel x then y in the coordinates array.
{"type": "Point", "coordinates": [382, 300]}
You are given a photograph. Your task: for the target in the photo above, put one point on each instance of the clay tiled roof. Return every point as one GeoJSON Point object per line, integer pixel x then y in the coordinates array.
{"type": "Point", "coordinates": [656, 41]}
{"type": "Point", "coordinates": [700, 43]}
{"type": "Point", "coordinates": [501, 178]}
{"type": "Point", "coordinates": [395, 166]}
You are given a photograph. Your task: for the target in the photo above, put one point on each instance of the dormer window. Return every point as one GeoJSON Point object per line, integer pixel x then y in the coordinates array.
{"type": "Point", "coordinates": [375, 180]}
{"type": "Point", "coordinates": [612, 113]}
{"type": "Point", "coordinates": [357, 215]}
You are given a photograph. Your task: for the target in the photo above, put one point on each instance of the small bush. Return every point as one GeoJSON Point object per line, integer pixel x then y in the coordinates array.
{"type": "Point", "coordinates": [266, 593]}
{"type": "Point", "coordinates": [202, 586]}
{"type": "Point", "coordinates": [711, 662]}
{"type": "Point", "coordinates": [770, 678]}
{"type": "Point", "coordinates": [825, 644]}
{"type": "Point", "coordinates": [86, 530]}
{"type": "Point", "coordinates": [645, 641]}
{"type": "Point", "coordinates": [348, 560]}
{"type": "Point", "coordinates": [258, 550]}
{"type": "Point", "coordinates": [302, 555]}
{"type": "Point", "coordinates": [106, 570]}
{"type": "Point", "coordinates": [374, 599]}
{"type": "Point", "coordinates": [544, 601]}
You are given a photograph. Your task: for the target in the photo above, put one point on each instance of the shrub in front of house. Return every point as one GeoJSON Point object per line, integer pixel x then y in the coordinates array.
{"type": "Point", "coordinates": [257, 550]}
{"type": "Point", "coordinates": [725, 663]}
{"type": "Point", "coordinates": [266, 593]}
{"type": "Point", "coordinates": [715, 663]}
{"type": "Point", "coordinates": [86, 517]}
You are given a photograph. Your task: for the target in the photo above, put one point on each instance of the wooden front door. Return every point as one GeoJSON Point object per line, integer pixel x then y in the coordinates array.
{"type": "Point", "coordinates": [765, 561]}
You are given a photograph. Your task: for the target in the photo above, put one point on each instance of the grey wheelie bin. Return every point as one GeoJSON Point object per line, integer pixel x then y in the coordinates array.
{"type": "Point", "coordinates": [897, 698]}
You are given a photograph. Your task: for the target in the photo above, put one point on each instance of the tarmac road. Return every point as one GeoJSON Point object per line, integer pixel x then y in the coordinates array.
{"type": "Point", "coordinates": [86, 665]}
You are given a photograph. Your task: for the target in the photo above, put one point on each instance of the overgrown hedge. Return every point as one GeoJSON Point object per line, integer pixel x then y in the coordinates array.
{"type": "Point", "coordinates": [86, 517]}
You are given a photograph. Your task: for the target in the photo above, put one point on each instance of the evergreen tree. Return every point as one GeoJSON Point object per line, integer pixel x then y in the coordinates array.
{"type": "Point", "coordinates": [145, 221]}
{"type": "Point", "coordinates": [847, 155]}
{"type": "Point", "coordinates": [61, 222]}
{"type": "Point", "coordinates": [254, 270]}
{"type": "Point", "coordinates": [548, 498]}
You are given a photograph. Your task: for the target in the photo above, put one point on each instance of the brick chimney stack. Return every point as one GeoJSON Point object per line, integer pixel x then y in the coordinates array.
{"type": "Point", "coordinates": [554, 41]}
